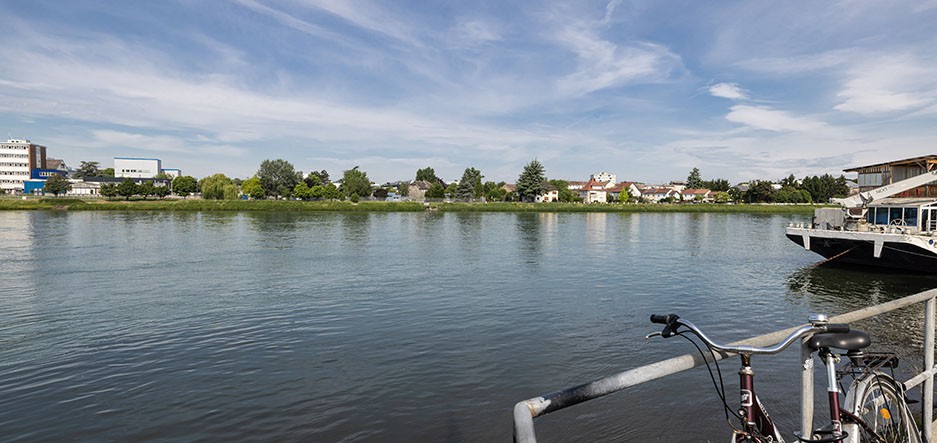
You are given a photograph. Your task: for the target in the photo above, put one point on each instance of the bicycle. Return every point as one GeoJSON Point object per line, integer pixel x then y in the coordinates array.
{"type": "Point", "coordinates": [875, 407]}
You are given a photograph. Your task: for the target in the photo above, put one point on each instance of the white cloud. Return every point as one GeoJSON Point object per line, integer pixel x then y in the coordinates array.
{"type": "Point", "coordinates": [764, 117]}
{"type": "Point", "coordinates": [603, 64]}
{"type": "Point", "coordinates": [889, 84]}
{"type": "Point", "coordinates": [730, 91]}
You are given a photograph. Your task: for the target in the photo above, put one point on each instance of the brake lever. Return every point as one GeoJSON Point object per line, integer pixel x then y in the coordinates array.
{"type": "Point", "coordinates": [652, 335]}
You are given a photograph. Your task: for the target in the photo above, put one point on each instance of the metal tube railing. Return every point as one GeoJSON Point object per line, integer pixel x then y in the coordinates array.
{"type": "Point", "coordinates": [525, 411]}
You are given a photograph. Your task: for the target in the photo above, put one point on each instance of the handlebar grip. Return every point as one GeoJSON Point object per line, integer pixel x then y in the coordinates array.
{"type": "Point", "coordinates": [837, 327]}
{"type": "Point", "coordinates": [664, 319]}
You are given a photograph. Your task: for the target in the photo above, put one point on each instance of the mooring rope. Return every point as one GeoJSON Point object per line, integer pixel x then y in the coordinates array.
{"type": "Point", "coordinates": [836, 256]}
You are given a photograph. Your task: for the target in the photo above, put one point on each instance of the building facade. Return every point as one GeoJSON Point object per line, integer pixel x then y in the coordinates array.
{"type": "Point", "coordinates": [881, 174]}
{"type": "Point", "coordinates": [134, 167]}
{"type": "Point", "coordinates": [17, 159]}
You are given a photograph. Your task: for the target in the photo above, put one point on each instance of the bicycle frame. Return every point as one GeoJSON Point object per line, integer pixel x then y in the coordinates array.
{"type": "Point", "coordinates": [757, 422]}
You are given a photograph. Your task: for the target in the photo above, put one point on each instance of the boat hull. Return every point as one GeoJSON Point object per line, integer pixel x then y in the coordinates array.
{"type": "Point", "coordinates": [900, 252]}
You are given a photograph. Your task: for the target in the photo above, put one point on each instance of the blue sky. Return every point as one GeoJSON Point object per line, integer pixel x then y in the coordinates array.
{"type": "Point", "coordinates": [645, 90]}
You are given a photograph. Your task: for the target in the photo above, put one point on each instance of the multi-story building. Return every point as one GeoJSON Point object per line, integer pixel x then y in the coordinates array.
{"type": "Point", "coordinates": [603, 177]}
{"type": "Point", "coordinates": [17, 159]}
{"type": "Point", "coordinates": [133, 167]}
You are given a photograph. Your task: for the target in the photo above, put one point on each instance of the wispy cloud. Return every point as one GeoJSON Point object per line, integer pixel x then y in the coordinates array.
{"type": "Point", "coordinates": [767, 118]}
{"type": "Point", "coordinates": [888, 84]}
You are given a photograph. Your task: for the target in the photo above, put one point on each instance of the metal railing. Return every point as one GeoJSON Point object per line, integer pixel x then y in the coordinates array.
{"type": "Point", "coordinates": [525, 411]}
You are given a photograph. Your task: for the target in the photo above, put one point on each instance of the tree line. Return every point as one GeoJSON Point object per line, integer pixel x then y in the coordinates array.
{"type": "Point", "coordinates": [280, 179]}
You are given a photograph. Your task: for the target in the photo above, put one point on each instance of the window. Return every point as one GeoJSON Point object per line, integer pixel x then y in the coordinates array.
{"type": "Point", "coordinates": [881, 216]}
{"type": "Point", "coordinates": [870, 179]}
{"type": "Point", "coordinates": [910, 216]}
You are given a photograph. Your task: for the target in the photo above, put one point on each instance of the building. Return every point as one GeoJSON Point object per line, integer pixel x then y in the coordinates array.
{"type": "Point", "coordinates": [171, 172]}
{"type": "Point", "coordinates": [134, 167]}
{"type": "Point", "coordinates": [18, 158]}
{"type": "Point", "coordinates": [603, 177]}
{"type": "Point", "coordinates": [550, 193]}
{"type": "Point", "coordinates": [697, 194]}
{"type": "Point", "coordinates": [881, 174]}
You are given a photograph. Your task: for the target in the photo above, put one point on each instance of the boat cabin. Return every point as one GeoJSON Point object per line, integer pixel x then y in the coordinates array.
{"type": "Point", "coordinates": [911, 215]}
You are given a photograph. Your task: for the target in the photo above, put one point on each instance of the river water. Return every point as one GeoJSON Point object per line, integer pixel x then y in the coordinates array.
{"type": "Point", "coordinates": [397, 327]}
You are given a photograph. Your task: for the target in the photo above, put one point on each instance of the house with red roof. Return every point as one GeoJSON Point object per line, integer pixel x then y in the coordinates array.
{"type": "Point", "coordinates": [697, 195]}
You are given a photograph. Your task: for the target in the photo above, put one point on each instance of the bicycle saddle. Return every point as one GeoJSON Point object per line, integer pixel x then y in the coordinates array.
{"type": "Point", "coordinates": [848, 341]}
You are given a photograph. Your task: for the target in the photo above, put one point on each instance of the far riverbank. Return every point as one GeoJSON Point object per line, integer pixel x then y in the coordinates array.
{"type": "Point", "coordinates": [71, 204]}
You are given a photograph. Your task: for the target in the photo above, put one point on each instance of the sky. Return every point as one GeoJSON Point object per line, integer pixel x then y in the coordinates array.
{"type": "Point", "coordinates": [646, 90]}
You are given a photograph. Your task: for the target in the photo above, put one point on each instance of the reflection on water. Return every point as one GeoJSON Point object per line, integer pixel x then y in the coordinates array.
{"type": "Point", "coordinates": [837, 289]}
{"type": "Point", "coordinates": [358, 327]}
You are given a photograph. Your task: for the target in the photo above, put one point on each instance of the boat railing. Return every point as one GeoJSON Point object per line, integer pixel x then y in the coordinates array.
{"type": "Point", "coordinates": [525, 411]}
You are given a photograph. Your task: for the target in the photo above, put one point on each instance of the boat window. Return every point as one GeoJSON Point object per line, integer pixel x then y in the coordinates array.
{"type": "Point", "coordinates": [870, 215]}
{"type": "Point", "coordinates": [910, 216]}
{"type": "Point", "coordinates": [924, 218]}
{"type": "Point", "coordinates": [895, 214]}
{"type": "Point", "coordinates": [881, 216]}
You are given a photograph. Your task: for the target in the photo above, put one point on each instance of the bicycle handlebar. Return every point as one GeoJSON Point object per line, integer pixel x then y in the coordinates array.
{"type": "Point", "coordinates": [672, 322]}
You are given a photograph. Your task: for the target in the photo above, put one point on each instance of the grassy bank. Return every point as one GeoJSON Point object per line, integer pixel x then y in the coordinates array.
{"type": "Point", "coordinates": [574, 207]}
{"type": "Point", "coordinates": [283, 205]}
{"type": "Point", "coordinates": [205, 205]}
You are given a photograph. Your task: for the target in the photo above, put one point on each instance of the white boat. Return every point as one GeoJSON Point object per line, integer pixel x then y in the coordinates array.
{"type": "Point", "coordinates": [875, 229]}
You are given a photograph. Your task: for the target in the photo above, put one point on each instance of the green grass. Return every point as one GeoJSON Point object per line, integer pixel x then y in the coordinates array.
{"type": "Point", "coordinates": [74, 204]}
{"type": "Point", "coordinates": [206, 205]}
{"type": "Point", "coordinates": [578, 207]}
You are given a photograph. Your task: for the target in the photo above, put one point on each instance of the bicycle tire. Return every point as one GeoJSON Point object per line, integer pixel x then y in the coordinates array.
{"type": "Point", "coordinates": [880, 404]}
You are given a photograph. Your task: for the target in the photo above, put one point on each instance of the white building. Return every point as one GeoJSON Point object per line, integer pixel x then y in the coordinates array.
{"type": "Point", "coordinates": [604, 177]}
{"type": "Point", "coordinates": [172, 172]}
{"type": "Point", "coordinates": [17, 159]}
{"type": "Point", "coordinates": [133, 167]}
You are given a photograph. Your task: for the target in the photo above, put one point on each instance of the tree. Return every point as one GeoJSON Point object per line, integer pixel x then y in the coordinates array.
{"type": "Point", "coordinates": [428, 174]}
{"type": "Point", "coordinates": [87, 169]}
{"type": "Point", "coordinates": [163, 191]}
{"type": "Point", "coordinates": [109, 190]}
{"type": "Point", "coordinates": [278, 177]}
{"type": "Point", "coordinates": [127, 188]}
{"type": "Point", "coordinates": [436, 190]}
{"type": "Point", "coordinates": [146, 188]}
{"type": "Point", "coordinates": [331, 192]}
{"type": "Point", "coordinates": [184, 185]}
{"type": "Point", "coordinates": [450, 190]}
{"type": "Point", "coordinates": [301, 191]}
{"type": "Point", "coordinates": [717, 185]}
{"type": "Point", "coordinates": [107, 172]}
{"type": "Point", "coordinates": [213, 186]}
{"type": "Point", "coordinates": [317, 191]}
{"type": "Point", "coordinates": [230, 191]}
{"type": "Point", "coordinates": [321, 176]}
{"type": "Point", "coordinates": [56, 184]}
{"type": "Point", "coordinates": [824, 187]}
{"type": "Point", "coordinates": [722, 197]}
{"type": "Point", "coordinates": [760, 192]}
{"type": "Point", "coordinates": [355, 181]}
{"type": "Point", "coordinates": [403, 189]}
{"type": "Point", "coordinates": [380, 193]}
{"type": "Point", "coordinates": [789, 194]}
{"type": "Point", "coordinates": [253, 188]}
{"type": "Point", "coordinates": [312, 180]}
{"type": "Point", "coordinates": [530, 182]}
{"type": "Point", "coordinates": [471, 185]}
{"type": "Point", "coordinates": [694, 181]}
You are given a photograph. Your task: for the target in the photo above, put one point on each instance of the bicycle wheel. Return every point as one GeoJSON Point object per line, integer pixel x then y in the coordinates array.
{"type": "Point", "coordinates": [884, 415]}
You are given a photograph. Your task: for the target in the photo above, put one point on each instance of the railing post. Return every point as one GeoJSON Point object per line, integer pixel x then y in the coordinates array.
{"type": "Point", "coordinates": [806, 389]}
{"type": "Point", "coordinates": [928, 409]}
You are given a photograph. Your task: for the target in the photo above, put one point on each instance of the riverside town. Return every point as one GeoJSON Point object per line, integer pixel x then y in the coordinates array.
{"type": "Point", "coordinates": [27, 170]}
